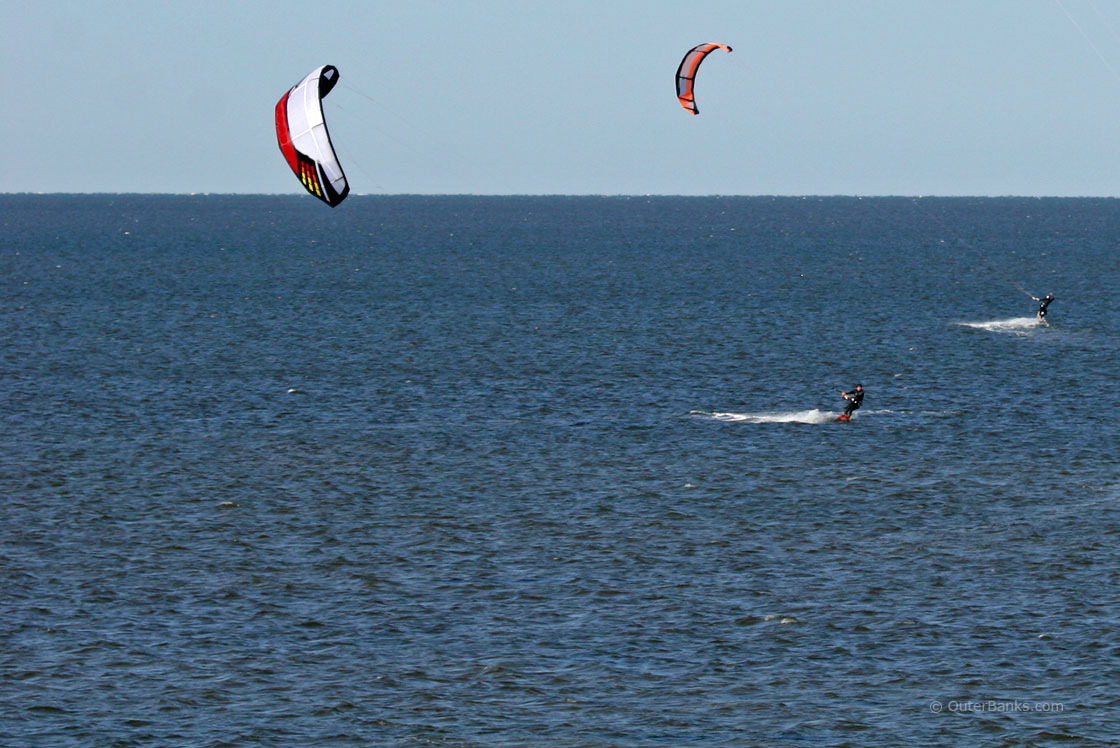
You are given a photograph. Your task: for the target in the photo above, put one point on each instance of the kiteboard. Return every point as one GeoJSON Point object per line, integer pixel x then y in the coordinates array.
{"type": "Point", "coordinates": [843, 418]}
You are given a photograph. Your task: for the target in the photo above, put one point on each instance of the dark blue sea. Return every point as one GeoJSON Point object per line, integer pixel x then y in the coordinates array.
{"type": "Point", "coordinates": [558, 471]}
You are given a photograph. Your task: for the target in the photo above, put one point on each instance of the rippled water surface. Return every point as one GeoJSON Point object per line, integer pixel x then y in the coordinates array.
{"type": "Point", "coordinates": [558, 471]}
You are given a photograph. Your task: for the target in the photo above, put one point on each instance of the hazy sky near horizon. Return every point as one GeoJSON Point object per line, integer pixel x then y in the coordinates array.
{"type": "Point", "coordinates": [863, 97]}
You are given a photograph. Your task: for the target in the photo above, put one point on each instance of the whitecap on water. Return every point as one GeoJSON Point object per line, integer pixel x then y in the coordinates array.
{"type": "Point", "coordinates": [782, 618]}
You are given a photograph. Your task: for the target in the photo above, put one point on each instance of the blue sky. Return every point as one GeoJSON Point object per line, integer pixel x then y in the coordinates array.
{"type": "Point", "coordinates": [864, 97]}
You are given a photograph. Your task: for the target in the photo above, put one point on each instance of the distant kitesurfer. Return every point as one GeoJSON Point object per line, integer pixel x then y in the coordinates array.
{"type": "Point", "coordinates": [1044, 302]}
{"type": "Point", "coordinates": [855, 399]}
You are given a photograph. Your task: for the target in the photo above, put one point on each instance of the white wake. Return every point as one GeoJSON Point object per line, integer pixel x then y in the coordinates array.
{"type": "Point", "coordinates": [800, 416]}
{"type": "Point", "coordinates": [1017, 325]}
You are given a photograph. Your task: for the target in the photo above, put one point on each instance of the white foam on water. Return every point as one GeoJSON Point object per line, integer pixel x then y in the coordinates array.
{"type": "Point", "coordinates": [1017, 325]}
{"type": "Point", "coordinates": [800, 416]}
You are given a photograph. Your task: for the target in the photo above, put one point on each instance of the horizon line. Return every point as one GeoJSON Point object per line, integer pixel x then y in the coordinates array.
{"type": "Point", "coordinates": [567, 194]}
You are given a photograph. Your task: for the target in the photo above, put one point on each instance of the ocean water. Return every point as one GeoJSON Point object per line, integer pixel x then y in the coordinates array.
{"type": "Point", "coordinates": [558, 471]}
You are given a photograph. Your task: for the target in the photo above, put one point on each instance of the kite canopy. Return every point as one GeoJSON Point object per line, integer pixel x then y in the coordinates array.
{"type": "Point", "coordinates": [302, 134]}
{"type": "Point", "coordinates": [686, 73]}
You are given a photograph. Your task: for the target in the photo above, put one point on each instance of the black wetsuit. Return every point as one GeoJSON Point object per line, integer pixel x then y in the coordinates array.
{"type": "Point", "coordinates": [855, 399]}
{"type": "Point", "coordinates": [1042, 307]}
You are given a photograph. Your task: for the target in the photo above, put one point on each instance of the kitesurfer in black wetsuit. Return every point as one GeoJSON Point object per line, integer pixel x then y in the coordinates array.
{"type": "Point", "coordinates": [1045, 302]}
{"type": "Point", "coordinates": [855, 399]}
